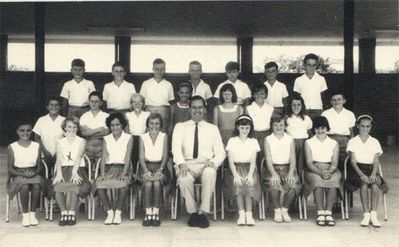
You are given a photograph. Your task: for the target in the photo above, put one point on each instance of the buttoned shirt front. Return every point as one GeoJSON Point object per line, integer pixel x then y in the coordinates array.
{"type": "Point", "coordinates": [50, 131]}
{"type": "Point", "coordinates": [118, 97]}
{"type": "Point", "coordinates": [210, 145]}
{"type": "Point", "coordinates": [77, 93]}
{"type": "Point", "coordinates": [202, 90]}
{"type": "Point", "coordinates": [340, 122]}
{"type": "Point", "coordinates": [311, 89]}
{"type": "Point", "coordinates": [157, 93]}
{"type": "Point", "coordinates": [276, 93]}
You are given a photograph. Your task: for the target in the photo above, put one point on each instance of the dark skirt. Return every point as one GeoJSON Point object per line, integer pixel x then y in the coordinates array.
{"type": "Point", "coordinates": [153, 167]}
{"type": "Point", "coordinates": [313, 180]}
{"type": "Point", "coordinates": [230, 190]}
{"type": "Point", "coordinates": [83, 189]}
{"type": "Point", "coordinates": [282, 172]}
{"type": "Point", "coordinates": [112, 179]}
{"type": "Point", "coordinates": [353, 181]}
{"type": "Point", "coordinates": [15, 183]}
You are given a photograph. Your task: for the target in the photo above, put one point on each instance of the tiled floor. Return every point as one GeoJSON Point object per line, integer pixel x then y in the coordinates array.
{"type": "Point", "coordinates": [221, 233]}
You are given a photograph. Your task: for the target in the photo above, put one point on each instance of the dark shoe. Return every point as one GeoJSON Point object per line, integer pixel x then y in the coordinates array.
{"type": "Point", "coordinates": [336, 208]}
{"type": "Point", "coordinates": [63, 220]}
{"type": "Point", "coordinates": [71, 220]}
{"type": "Point", "coordinates": [193, 220]}
{"type": "Point", "coordinates": [203, 221]}
{"type": "Point", "coordinates": [82, 208]}
{"type": "Point", "coordinates": [147, 220]}
{"type": "Point", "coordinates": [56, 209]}
{"type": "Point", "coordinates": [155, 220]}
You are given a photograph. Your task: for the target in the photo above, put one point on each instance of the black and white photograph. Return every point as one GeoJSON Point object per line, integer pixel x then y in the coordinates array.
{"type": "Point", "coordinates": [199, 123]}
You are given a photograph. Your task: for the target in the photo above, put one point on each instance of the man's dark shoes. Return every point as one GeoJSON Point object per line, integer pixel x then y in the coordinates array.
{"type": "Point", "coordinates": [193, 220]}
{"type": "Point", "coordinates": [203, 221]}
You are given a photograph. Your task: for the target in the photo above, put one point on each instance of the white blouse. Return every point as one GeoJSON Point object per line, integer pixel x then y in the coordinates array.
{"type": "Point", "coordinates": [298, 127]}
{"type": "Point", "coordinates": [280, 148]}
{"type": "Point", "coordinates": [25, 157]}
{"type": "Point", "coordinates": [116, 149]}
{"type": "Point", "coordinates": [364, 151]}
{"type": "Point", "coordinates": [69, 151]}
{"type": "Point", "coordinates": [153, 151]}
{"type": "Point", "coordinates": [242, 151]}
{"type": "Point", "coordinates": [322, 151]}
{"type": "Point", "coordinates": [137, 124]}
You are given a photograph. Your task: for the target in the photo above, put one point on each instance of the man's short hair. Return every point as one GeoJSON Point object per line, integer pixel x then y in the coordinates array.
{"type": "Point", "coordinates": [197, 97]}
{"type": "Point", "coordinates": [158, 61]}
{"type": "Point", "coordinates": [95, 93]}
{"type": "Point", "coordinates": [271, 65]}
{"type": "Point", "coordinates": [232, 66]}
{"type": "Point", "coordinates": [311, 56]}
{"type": "Point", "coordinates": [118, 64]}
{"type": "Point", "coordinates": [78, 63]}
{"type": "Point", "coordinates": [195, 62]}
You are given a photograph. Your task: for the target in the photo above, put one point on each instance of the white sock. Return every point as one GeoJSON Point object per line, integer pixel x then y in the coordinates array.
{"type": "Point", "coordinates": [64, 212]}
{"type": "Point", "coordinates": [71, 212]}
{"type": "Point", "coordinates": [327, 212]}
{"type": "Point", "coordinates": [320, 212]}
{"type": "Point", "coordinates": [284, 209]}
{"type": "Point", "coordinates": [148, 211]}
{"type": "Point", "coordinates": [155, 210]}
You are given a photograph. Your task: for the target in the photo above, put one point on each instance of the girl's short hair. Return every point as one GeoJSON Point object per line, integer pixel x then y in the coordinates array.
{"type": "Point", "coordinates": [244, 119]}
{"type": "Point", "coordinates": [363, 117]}
{"type": "Point", "coordinates": [74, 120]}
{"type": "Point", "coordinates": [154, 116]}
{"type": "Point", "coordinates": [116, 115]}
{"type": "Point", "coordinates": [23, 121]}
{"type": "Point", "coordinates": [277, 118]}
{"type": "Point", "coordinates": [302, 113]}
{"type": "Point", "coordinates": [138, 96]}
{"type": "Point", "coordinates": [320, 121]}
{"type": "Point", "coordinates": [258, 87]}
{"type": "Point", "coordinates": [228, 87]}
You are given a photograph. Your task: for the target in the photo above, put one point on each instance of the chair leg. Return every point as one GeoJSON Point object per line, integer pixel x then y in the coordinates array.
{"type": "Point", "coordinates": [41, 203]}
{"type": "Point", "coordinates": [93, 207]}
{"type": "Point", "coordinates": [214, 205]}
{"type": "Point", "coordinates": [346, 204]}
{"type": "Point", "coordinates": [300, 207]}
{"type": "Point", "coordinates": [384, 201]}
{"type": "Point", "coordinates": [18, 203]}
{"type": "Point", "coordinates": [7, 208]}
{"type": "Point", "coordinates": [305, 209]}
{"type": "Point", "coordinates": [46, 209]}
{"type": "Point", "coordinates": [176, 203]}
{"type": "Point", "coordinates": [342, 210]}
{"type": "Point", "coordinates": [51, 209]}
{"type": "Point", "coordinates": [88, 206]}
{"type": "Point", "coordinates": [222, 203]}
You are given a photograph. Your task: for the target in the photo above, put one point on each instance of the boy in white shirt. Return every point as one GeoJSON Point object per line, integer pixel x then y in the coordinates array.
{"type": "Point", "coordinates": [158, 93]}
{"type": "Point", "coordinates": [48, 131]}
{"type": "Point", "coordinates": [93, 127]}
{"type": "Point", "coordinates": [311, 86]}
{"type": "Point", "coordinates": [341, 123]}
{"type": "Point", "coordinates": [117, 93]}
{"type": "Point", "coordinates": [277, 91]}
{"type": "Point", "coordinates": [76, 91]}
{"type": "Point", "coordinates": [242, 89]}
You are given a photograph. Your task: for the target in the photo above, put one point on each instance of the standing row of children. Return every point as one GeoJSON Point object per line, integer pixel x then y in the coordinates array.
{"type": "Point", "coordinates": [284, 154]}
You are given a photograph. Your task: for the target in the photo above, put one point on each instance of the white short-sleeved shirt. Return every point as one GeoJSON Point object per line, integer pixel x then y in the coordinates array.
{"type": "Point", "coordinates": [310, 90]}
{"type": "Point", "coordinates": [116, 149]}
{"type": "Point", "coordinates": [93, 122]}
{"type": "Point", "coordinates": [241, 88]}
{"type": "Point", "coordinates": [242, 151]}
{"type": "Point", "coordinates": [276, 93]}
{"type": "Point", "coordinates": [298, 127]}
{"type": "Point", "coordinates": [70, 151]}
{"type": "Point", "coordinates": [341, 122]}
{"type": "Point", "coordinates": [364, 151]}
{"type": "Point", "coordinates": [260, 115]}
{"type": "Point", "coordinates": [322, 151]}
{"type": "Point", "coordinates": [77, 93]}
{"type": "Point", "coordinates": [157, 94]}
{"type": "Point", "coordinates": [49, 131]}
{"type": "Point", "coordinates": [280, 148]}
{"type": "Point", "coordinates": [202, 90]}
{"type": "Point", "coordinates": [153, 151]}
{"type": "Point", "coordinates": [137, 124]}
{"type": "Point", "coordinates": [25, 157]}
{"type": "Point", "coordinates": [118, 97]}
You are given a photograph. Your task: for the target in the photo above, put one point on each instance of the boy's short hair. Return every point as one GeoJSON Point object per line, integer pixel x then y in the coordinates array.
{"type": "Point", "coordinates": [271, 65]}
{"type": "Point", "coordinates": [95, 93]}
{"type": "Point", "coordinates": [73, 119]}
{"type": "Point", "coordinates": [53, 98]}
{"type": "Point", "coordinates": [277, 118]}
{"type": "Point", "coordinates": [158, 61]}
{"type": "Point", "coordinates": [320, 121]}
{"type": "Point", "coordinates": [118, 64]}
{"type": "Point", "coordinates": [138, 96]}
{"type": "Point", "coordinates": [154, 116]}
{"type": "Point", "coordinates": [113, 116]}
{"type": "Point", "coordinates": [337, 92]}
{"type": "Point", "coordinates": [195, 62]}
{"type": "Point", "coordinates": [185, 84]}
{"type": "Point", "coordinates": [78, 63]}
{"type": "Point", "coordinates": [228, 87]}
{"type": "Point", "coordinates": [311, 56]}
{"type": "Point", "coordinates": [259, 87]}
{"type": "Point", "coordinates": [232, 66]}
{"type": "Point", "coordinates": [197, 97]}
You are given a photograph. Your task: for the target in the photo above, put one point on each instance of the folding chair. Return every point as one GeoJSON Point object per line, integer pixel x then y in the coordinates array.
{"type": "Point", "coordinates": [8, 200]}
{"type": "Point", "coordinates": [348, 195]}
{"type": "Point", "coordinates": [264, 203]}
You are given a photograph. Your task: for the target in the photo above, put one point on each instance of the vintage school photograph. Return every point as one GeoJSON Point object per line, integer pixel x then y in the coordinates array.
{"type": "Point", "coordinates": [199, 123]}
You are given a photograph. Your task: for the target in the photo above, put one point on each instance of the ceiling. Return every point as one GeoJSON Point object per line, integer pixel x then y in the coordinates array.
{"type": "Point", "coordinates": [295, 19]}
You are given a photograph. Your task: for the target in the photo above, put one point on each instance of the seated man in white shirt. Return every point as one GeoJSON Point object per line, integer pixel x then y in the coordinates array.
{"type": "Point", "coordinates": [117, 93]}
{"type": "Point", "coordinates": [197, 153]}
{"type": "Point", "coordinates": [93, 127]}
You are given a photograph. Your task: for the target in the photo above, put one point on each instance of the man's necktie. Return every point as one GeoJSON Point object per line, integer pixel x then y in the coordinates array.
{"type": "Point", "coordinates": [195, 149]}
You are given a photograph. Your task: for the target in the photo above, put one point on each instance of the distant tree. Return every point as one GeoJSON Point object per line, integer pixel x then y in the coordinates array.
{"type": "Point", "coordinates": [396, 68]}
{"type": "Point", "coordinates": [14, 67]}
